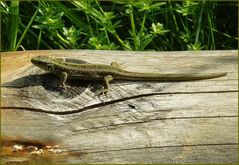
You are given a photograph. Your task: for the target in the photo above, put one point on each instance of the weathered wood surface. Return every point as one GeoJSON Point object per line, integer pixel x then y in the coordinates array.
{"type": "Point", "coordinates": [139, 122]}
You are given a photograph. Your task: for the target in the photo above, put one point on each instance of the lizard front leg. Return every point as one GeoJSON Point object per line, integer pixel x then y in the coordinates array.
{"type": "Point", "coordinates": [63, 79]}
{"type": "Point", "coordinates": [107, 79]}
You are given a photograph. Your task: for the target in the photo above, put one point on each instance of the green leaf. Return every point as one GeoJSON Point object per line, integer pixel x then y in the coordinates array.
{"type": "Point", "coordinates": [158, 29]}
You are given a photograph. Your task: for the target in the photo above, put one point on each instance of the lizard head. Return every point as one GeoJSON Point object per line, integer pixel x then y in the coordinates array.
{"type": "Point", "coordinates": [43, 62]}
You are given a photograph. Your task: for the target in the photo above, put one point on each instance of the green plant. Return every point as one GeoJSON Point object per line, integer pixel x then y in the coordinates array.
{"type": "Point", "coordinates": [124, 25]}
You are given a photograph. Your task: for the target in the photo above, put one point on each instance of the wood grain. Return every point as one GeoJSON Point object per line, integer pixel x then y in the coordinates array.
{"type": "Point", "coordinates": [139, 122]}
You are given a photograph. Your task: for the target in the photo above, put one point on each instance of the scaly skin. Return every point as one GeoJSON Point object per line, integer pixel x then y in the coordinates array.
{"type": "Point", "coordinates": [96, 72]}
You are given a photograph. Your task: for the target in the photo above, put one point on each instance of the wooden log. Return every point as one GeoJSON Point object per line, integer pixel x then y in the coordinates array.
{"type": "Point", "coordinates": [138, 122]}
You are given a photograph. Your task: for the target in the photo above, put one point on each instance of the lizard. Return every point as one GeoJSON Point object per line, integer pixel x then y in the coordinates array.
{"type": "Point", "coordinates": [98, 72]}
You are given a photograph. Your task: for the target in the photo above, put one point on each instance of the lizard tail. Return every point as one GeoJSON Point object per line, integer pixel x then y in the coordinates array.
{"type": "Point", "coordinates": [168, 77]}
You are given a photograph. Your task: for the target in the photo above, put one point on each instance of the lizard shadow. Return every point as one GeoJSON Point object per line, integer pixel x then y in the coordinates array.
{"type": "Point", "coordinates": [50, 83]}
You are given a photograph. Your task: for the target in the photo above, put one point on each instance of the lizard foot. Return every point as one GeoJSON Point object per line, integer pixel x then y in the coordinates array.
{"type": "Point", "coordinates": [104, 92]}
{"type": "Point", "coordinates": [63, 86]}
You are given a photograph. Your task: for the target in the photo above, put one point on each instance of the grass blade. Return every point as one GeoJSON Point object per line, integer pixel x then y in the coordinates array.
{"type": "Point", "coordinates": [13, 23]}
{"type": "Point", "coordinates": [199, 22]}
{"type": "Point", "coordinates": [25, 31]}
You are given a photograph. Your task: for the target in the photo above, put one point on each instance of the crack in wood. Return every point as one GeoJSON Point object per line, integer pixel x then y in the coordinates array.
{"type": "Point", "coordinates": [156, 119]}
{"type": "Point", "coordinates": [108, 103]}
{"type": "Point", "coordinates": [169, 146]}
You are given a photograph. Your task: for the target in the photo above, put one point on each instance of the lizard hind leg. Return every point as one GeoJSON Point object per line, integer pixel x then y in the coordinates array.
{"type": "Point", "coordinates": [106, 81]}
{"type": "Point", "coordinates": [117, 65]}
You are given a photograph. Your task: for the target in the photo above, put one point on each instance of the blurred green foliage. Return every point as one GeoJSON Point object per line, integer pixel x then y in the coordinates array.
{"type": "Point", "coordinates": [119, 25]}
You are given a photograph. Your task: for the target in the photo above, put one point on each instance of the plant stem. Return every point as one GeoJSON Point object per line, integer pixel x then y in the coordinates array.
{"type": "Point", "coordinates": [72, 16]}
{"type": "Point", "coordinates": [106, 35]}
{"type": "Point", "coordinates": [34, 35]}
{"type": "Point", "coordinates": [121, 42]}
{"type": "Point", "coordinates": [174, 18]}
{"type": "Point", "coordinates": [199, 22]}
{"type": "Point", "coordinates": [88, 21]}
{"type": "Point", "coordinates": [143, 22]}
{"type": "Point", "coordinates": [212, 43]}
{"type": "Point", "coordinates": [39, 39]}
{"type": "Point", "coordinates": [26, 29]}
{"type": "Point", "coordinates": [133, 28]}
{"type": "Point", "coordinates": [13, 24]}
{"type": "Point", "coordinates": [62, 39]}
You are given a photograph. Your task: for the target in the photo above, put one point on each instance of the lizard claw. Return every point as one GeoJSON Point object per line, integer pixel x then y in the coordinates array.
{"type": "Point", "coordinates": [63, 86]}
{"type": "Point", "coordinates": [104, 92]}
